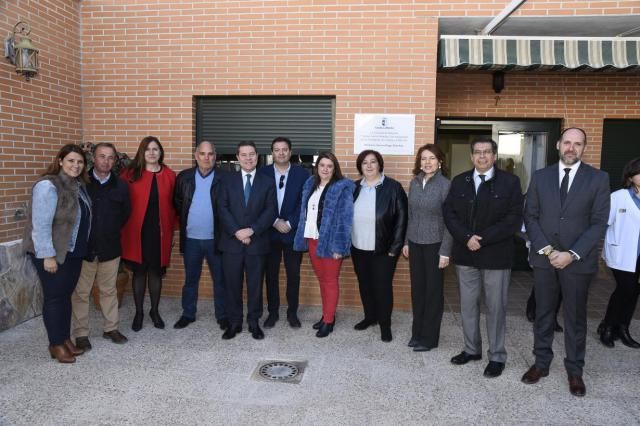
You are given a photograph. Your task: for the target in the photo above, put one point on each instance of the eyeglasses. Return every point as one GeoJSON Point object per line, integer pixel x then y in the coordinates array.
{"type": "Point", "coordinates": [486, 152]}
{"type": "Point", "coordinates": [281, 184]}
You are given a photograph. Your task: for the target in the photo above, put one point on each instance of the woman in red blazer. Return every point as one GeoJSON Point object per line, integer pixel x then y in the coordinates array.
{"type": "Point", "coordinates": [147, 236]}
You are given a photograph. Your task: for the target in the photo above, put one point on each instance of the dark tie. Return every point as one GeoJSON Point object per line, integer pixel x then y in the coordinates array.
{"type": "Point", "coordinates": [482, 178]}
{"type": "Point", "coordinates": [564, 185]}
{"type": "Point", "coordinates": [247, 190]}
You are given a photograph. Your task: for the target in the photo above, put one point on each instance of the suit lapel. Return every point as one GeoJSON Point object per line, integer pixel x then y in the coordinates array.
{"type": "Point", "coordinates": [577, 186]}
{"type": "Point", "coordinates": [552, 184]}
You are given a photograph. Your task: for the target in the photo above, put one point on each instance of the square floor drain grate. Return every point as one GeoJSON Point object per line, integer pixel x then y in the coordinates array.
{"type": "Point", "coordinates": [280, 371]}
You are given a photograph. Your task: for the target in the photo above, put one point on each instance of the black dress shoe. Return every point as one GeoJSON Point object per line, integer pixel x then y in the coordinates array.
{"type": "Point", "coordinates": [606, 335]}
{"type": "Point", "coordinates": [622, 332]}
{"type": "Point", "coordinates": [463, 358]}
{"type": "Point", "coordinates": [137, 322]}
{"type": "Point", "coordinates": [316, 325]}
{"type": "Point", "coordinates": [494, 369]}
{"type": "Point", "coordinates": [157, 319]}
{"type": "Point", "coordinates": [183, 322]}
{"type": "Point", "coordinates": [324, 330]}
{"type": "Point", "coordinates": [83, 343]}
{"type": "Point", "coordinates": [231, 332]}
{"type": "Point", "coordinates": [115, 336]}
{"type": "Point", "coordinates": [412, 342]}
{"type": "Point", "coordinates": [533, 375]}
{"type": "Point", "coordinates": [271, 320]}
{"type": "Point", "coordinates": [364, 324]}
{"type": "Point", "coordinates": [294, 322]}
{"type": "Point", "coordinates": [385, 333]}
{"type": "Point", "coordinates": [224, 323]}
{"type": "Point", "coordinates": [419, 347]}
{"type": "Point", "coordinates": [256, 332]}
{"type": "Point", "coordinates": [576, 386]}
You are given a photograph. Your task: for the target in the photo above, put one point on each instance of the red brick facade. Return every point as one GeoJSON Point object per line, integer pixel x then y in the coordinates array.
{"type": "Point", "coordinates": [141, 63]}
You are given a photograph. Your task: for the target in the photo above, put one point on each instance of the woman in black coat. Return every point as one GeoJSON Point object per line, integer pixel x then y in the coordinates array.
{"type": "Point", "coordinates": [379, 225]}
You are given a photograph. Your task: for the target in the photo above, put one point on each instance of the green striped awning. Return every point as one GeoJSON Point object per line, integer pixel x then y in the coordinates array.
{"type": "Point", "coordinates": [546, 53]}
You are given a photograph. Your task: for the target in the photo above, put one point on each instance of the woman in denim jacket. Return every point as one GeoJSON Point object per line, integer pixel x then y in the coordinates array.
{"type": "Point", "coordinates": [56, 239]}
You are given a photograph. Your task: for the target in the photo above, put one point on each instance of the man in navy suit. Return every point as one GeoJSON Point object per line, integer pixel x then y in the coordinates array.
{"type": "Point", "coordinates": [247, 209]}
{"type": "Point", "coordinates": [289, 180]}
{"type": "Point", "coordinates": [566, 217]}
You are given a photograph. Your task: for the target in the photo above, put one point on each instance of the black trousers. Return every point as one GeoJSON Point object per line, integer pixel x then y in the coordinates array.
{"type": "Point", "coordinates": [235, 265]}
{"type": "Point", "coordinates": [549, 283]}
{"type": "Point", "coordinates": [57, 289]}
{"type": "Point", "coordinates": [427, 293]}
{"type": "Point", "coordinates": [375, 281]}
{"type": "Point", "coordinates": [292, 261]}
{"type": "Point", "coordinates": [623, 300]}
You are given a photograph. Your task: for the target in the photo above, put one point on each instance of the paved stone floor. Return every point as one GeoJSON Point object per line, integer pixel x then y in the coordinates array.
{"type": "Point", "coordinates": [192, 376]}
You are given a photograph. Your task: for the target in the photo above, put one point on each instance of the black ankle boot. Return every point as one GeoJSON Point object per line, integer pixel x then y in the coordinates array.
{"type": "Point", "coordinates": [316, 325]}
{"type": "Point", "coordinates": [157, 320]}
{"type": "Point", "coordinates": [325, 329]}
{"type": "Point", "coordinates": [137, 322]}
{"type": "Point", "coordinates": [622, 332]}
{"type": "Point", "coordinates": [385, 333]}
{"type": "Point", "coordinates": [606, 335]}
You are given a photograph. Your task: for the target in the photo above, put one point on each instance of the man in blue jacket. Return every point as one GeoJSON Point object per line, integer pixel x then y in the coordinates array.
{"type": "Point", "coordinates": [194, 199]}
{"type": "Point", "coordinates": [289, 179]}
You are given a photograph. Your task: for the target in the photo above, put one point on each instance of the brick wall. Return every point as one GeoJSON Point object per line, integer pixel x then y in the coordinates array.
{"type": "Point", "coordinates": [38, 116]}
{"type": "Point", "coordinates": [144, 61]}
{"type": "Point", "coordinates": [580, 99]}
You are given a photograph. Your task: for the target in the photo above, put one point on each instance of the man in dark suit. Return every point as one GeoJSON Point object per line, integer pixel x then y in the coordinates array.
{"type": "Point", "coordinates": [247, 209]}
{"type": "Point", "coordinates": [289, 179]}
{"type": "Point", "coordinates": [566, 217]}
{"type": "Point", "coordinates": [483, 211]}
{"type": "Point", "coordinates": [194, 199]}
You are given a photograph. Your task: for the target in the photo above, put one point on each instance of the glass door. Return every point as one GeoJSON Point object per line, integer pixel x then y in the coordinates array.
{"type": "Point", "coordinates": [524, 146]}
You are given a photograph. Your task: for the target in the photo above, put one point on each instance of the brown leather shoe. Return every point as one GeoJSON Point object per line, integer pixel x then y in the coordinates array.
{"type": "Point", "coordinates": [62, 354]}
{"type": "Point", "coordinates": [576, 386]}
{"type": "Point", "coordinates": [75, 351]}
{"type": "Point", "coordinates": [115, 336]}
{"type": "Point", "coordinates": [534, 374]}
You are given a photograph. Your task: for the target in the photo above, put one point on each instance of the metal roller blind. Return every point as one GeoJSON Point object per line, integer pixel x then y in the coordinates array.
{"type": "Point", "coordinates": [226, 120]}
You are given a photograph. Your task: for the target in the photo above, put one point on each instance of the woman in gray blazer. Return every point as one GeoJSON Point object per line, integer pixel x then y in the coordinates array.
{"type": "Point", "coordinates": [427, 245]}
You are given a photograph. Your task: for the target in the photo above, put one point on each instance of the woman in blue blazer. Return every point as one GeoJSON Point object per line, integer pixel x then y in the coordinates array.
{"type": "Point", "coordinates": [324, 229]}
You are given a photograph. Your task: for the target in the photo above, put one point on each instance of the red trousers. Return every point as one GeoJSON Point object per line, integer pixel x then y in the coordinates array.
{"type": "Point", "coordinates": [328, 272]}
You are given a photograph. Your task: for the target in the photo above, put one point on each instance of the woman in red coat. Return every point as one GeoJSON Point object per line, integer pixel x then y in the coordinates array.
{"type": "Point", "coordinates": [147, 236]}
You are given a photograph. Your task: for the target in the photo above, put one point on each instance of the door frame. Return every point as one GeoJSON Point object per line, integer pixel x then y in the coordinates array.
{"type": "Point", "coordinates": [552, 126]}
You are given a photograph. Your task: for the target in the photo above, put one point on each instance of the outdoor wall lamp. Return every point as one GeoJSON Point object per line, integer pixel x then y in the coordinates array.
{"type": "Point", "coordinates": [22, 53]}
{"type": "Point", "coordinates": [498, 81]}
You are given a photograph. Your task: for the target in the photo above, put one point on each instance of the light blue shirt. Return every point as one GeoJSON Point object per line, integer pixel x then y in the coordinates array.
{"type": "Point", "coordinates": [476, 177]}
{"type": "Point", "coordinates": [200, 219]}
{"type": "Point", "coordinates": [363, 232]}
{"type": "Point", "coordinates": [280, 191]}
{"type": "Point", "coordinates": [43, 210]}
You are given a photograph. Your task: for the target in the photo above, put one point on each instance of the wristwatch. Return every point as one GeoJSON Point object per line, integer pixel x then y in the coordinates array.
{"type": "Point", "coordinates": [547, 250]}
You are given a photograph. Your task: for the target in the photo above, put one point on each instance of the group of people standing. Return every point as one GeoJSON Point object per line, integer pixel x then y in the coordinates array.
{"type": "Point", "coordinates": [246, 223]}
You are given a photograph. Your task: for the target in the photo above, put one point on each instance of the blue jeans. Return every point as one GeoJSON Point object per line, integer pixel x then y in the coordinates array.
{"type": "Point", "coordinates": [195, 251]}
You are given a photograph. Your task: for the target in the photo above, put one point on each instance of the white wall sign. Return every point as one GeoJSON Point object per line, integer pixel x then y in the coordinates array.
{"type": "Point", "coordinates": [392, 134]}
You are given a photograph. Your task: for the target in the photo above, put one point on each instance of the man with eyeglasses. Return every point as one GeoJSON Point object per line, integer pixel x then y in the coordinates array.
{"type": "Point", "coordinates": [194, 199]}
{"type": "Point", "coordinates": [483, 211]}
{"type": "Point", "coordinates": [247, 208]}
{"type": "Point", "coordinates": [289, 179]}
